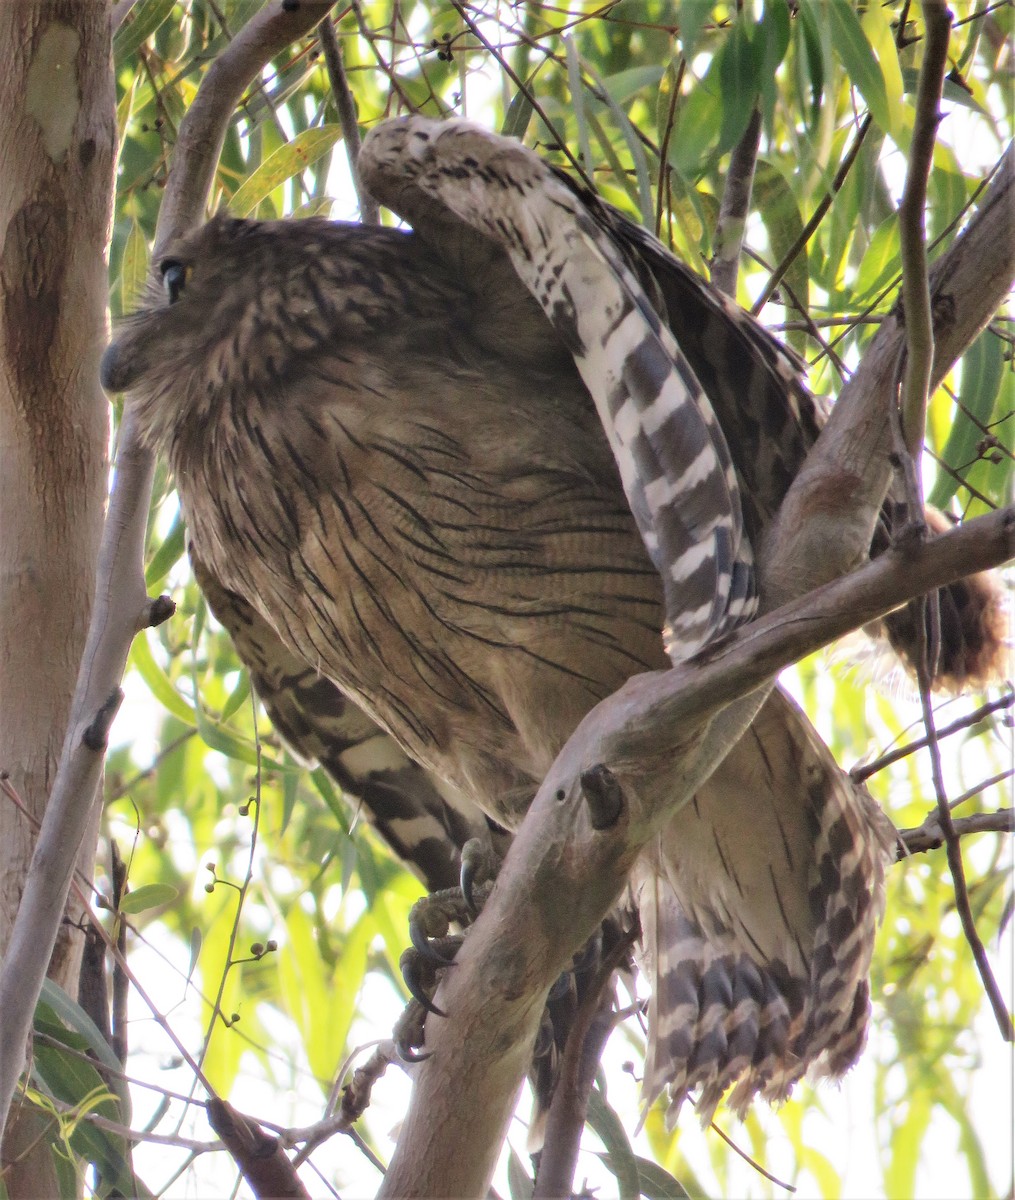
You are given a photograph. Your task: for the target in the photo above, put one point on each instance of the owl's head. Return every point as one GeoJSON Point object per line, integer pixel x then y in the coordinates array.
{"type": "Point", "coordinates": [236, 310]}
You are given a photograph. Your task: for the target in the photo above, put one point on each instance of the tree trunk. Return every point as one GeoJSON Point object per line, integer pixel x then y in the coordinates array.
{"type": "Point", "coordinates": [57, 144]}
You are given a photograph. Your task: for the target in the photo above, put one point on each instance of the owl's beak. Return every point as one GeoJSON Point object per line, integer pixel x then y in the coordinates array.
{"type": "Point", "coordinates": [114, 371]}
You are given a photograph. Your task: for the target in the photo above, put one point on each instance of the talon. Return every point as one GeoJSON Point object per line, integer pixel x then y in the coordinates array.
{"type": "Point", "coordinates": [413, 973]}
{"type": "Point", "coordinates": [425, 948]}
{"type": "Point", "coordinates": [479, 869]}
{"type": "Point", "coordinates": [475, 863]}
{"type": "Point", "coordinates": [409, 1055]}
{"type": "Point", "coordinates": [429, 922]}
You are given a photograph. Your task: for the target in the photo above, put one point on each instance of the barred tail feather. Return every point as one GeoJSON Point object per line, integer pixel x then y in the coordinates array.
{"type": "Point", "coordinates": [759, 971]}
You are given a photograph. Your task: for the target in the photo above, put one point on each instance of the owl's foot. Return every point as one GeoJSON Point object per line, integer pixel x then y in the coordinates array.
{"type": "Point", "coordinates": [434, 946]}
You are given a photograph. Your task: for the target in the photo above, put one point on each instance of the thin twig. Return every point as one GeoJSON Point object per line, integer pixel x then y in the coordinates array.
{"type": "Point", "coordinates": [912, 231]}
{"type": "Point", "coordinates": [953, 850]}
{"type": "Point", "coordinates": [537, 108]}
{"type": "Point", "coordinates": [369, 209]}
{"type": "Point", "coordinates": [859, 773]}
{"type": "Point", "coordinates": [733, 209]}
{"type": "Point", "coordinates": [815, 218]}
{"type": "Point", "coordinates": [747, 1158]}
{"type": "Point", "coordinates": [930, 836]}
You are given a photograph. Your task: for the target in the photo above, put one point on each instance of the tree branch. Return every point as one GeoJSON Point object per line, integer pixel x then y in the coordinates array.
{"type": "Point", "coordinates": [865, 770]}
{"type": "Point", "coordinates": [121, 607]}
{"type": "Point", "coordinates": [260, 1157]}
{"type": "Point", "coordinates": [733, 209]}
{"type": "Point", "coordinates": [369, 209]}
{"type": "Point", "coordinates": [912, 233]}
{"type": "Point", "coordinates": [561, 876]}
{"type": "Point", "coordinates": [929, 836]}
{"type": "Point", "coordinates": [827, 519]}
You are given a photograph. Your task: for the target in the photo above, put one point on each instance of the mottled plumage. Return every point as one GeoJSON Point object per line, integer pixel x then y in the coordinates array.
{"type": "Point", "coordinates": [396, 483]}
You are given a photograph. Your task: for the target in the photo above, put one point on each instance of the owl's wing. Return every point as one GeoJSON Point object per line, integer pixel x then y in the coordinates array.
{"type": "Point", "coordinates": [682, 398]}
{"type": "Point", "coordinates": [423, 825]}
{"type": "Point", "coordinates": [670, 450]}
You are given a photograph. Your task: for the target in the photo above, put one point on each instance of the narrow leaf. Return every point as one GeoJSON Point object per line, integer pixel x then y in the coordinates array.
{"type": "Point", "coordinates": [620, 1156]}
{"type": "Point", "coordinates": [133, 268]}
{"type": "Point", "coordinates": [288, 160]}
{"type": "Point", "coordinates": [857, 57]}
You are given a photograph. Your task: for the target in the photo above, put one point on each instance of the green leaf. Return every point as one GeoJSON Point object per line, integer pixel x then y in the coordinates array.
{"type": "Point", "coordinates": [217, 737]}
{"type": "Point", "coordinates": [329, 794]}
{"type": "Point", "coordinates": [952, 92]}
{"type": "Point", "coordinates": [881, 261]}
{"type": "Point", "coordinates": [237, 696]}
{"type": "Point", "coordinates": [159, 683]}
{"type": "Point", "coordinates": [167, 555]}
{"type": "Point", "coordinates": [646, 208]}
{"type": "Point", "coordinates": [699, 117]}
{"type": "Point", "coordinates": [740, 79]}
{"type": "Point", "coordinates": [693, 15]}
{"type": "Point", "coordinates": [518, 116]}
{"type": "Point", "coordinates": [879, 33]}
{"type": "Point", "coordinates": [62, 1072]}
{"type": "Point", "coordinates": [619, 1155]}
{"type": "Point", "coordinates": [149, 895]}
{"type": "Point", "coordinates": [288, 160]}
{"type": "Point", "coordinates": [657, 1184]}
{"type": "Point", "coordinates": [982, 372]}
{"type": "Point", "coordinates": [858, 58]}
{"type": "Point", "coordinates": [578, 98]}
{"type": "Point", "coordinates": [624, 85]}
{"type": "Point", "coordinates": [812, 60]}
{"type": "Point", "coordinates": [133, 268]}
{"type": "Point", "coordinates": [72, 1015]}
{"type": "Point", "coordinates": [144, 19]}
{"type": "Point", "coordinates": [777, 204]}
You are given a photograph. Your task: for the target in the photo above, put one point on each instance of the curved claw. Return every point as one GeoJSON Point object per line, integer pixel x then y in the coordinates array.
{"type": "Point", "coordinates": [407, 1054]}
{"type": "Point", "coordinates": [474, 865]}
{"type": "Point", "coordinates": [424, 947]}
{"type": "Point", "coordinates": [412, 973]}
{"type": "Point", "coordinates": [428, 922]}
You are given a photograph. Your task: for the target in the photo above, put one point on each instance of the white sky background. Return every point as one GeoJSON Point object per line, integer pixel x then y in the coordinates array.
{"type": "Point", "coordinates": [848, 1131]}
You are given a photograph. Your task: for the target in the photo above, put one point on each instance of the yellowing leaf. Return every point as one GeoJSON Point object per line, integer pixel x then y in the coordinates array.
{"type": "Point", "coordinates": [287, 161]}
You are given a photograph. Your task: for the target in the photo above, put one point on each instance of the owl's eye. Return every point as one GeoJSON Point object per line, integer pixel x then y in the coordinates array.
{"type": "Point", "coordinates": [174, 278]}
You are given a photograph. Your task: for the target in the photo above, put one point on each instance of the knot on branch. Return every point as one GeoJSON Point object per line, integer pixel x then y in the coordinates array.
{"type": "Point", "coordinates": [604, 796]}
{"type": "Point", "coordinates": [156, 611]}
{"type": "Point", "coordinates": [96, 733]}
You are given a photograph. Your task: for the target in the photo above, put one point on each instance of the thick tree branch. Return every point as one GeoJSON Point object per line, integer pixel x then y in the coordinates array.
{"type": "Point", "coordinates": [561, 876]}
{"type": "Point", "coordinates": [121, 605]}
